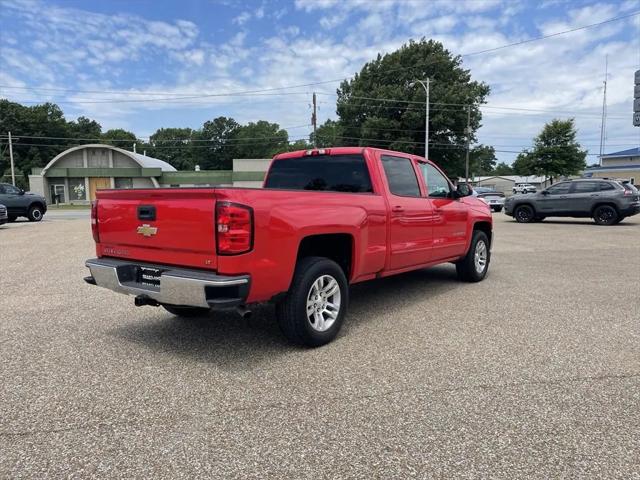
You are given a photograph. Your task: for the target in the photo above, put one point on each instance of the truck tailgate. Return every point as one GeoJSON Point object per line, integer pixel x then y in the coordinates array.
{"type": "Point", "coordinates": [172, 226]}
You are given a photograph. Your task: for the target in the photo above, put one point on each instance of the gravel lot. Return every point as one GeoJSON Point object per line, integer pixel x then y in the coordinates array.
{"type": "Point", "coordinates": [533, 373]}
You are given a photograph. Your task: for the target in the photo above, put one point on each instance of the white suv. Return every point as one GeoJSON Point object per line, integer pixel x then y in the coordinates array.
{"type": "Point", "coordinates": [524, 188]}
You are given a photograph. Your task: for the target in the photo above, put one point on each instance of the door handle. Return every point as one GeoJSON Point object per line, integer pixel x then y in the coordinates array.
{"type": "Point", "coordinates": [595, 194]}
{"type": "Point", "coordinates": [397, 209]}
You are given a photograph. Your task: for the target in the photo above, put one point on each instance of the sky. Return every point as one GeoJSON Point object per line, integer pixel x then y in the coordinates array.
{"type": "Point", "coordinates": [141, 65]}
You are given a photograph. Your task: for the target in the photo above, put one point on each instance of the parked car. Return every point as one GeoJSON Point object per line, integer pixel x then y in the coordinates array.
{"type": "Point", "coordinates": [4, 217]}
{"type": "Point", "coordinates": [22, 204]}
{"type": "Point", "coordinates": [606, 201]}
{"type": "Point", "coordinates": [325, 219]}
{"type": "Point", "coordinates": [494, 199]}
{"type": "Point", "coordinates": [524, 188]}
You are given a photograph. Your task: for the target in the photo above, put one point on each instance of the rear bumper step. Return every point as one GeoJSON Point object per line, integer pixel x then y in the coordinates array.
{"type": "Point", "coordinates": [170, 285]}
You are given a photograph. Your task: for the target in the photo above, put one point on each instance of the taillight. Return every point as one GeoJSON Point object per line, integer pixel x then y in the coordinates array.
{"type": "Point", "coordinates": [94, 221]}
{"type": "Point", "coordinates": [234, 228]}
{"type": "Point", "coordinates": [628, 192]}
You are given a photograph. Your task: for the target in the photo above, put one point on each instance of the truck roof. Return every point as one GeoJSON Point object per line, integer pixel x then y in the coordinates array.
{"type": "Point", "coordinates": [335, 151]}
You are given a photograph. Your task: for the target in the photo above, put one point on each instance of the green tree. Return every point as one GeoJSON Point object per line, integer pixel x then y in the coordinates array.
{"type": "Point", "coordinates": [522, 165]}
{"type": "Point", "coordinates": [482, 160]}
{"type": "Point", "coordinates": [502, 169]}
{"type": "Point", "coordinates": [261, 139]}
{"type": "Point", "coordinates": [556, 152]}
{"type": "Point", "coordinates": [85, 128]}
{"type": "Point", "coordinates": [397, 122]}
{"type": "Point", "coordinates": [175, 146]}
{"type": "Point", "coordinates": [329, 134]}
{"type": "Point", "coordinates": [299, 145]}
{"type": "Point", "coordinates": [216, 147]}
{"type": "Point", "coordinates": [120, 138]}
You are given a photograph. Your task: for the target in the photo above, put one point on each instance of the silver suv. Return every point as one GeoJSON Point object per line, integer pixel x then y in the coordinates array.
{"type": "Point", "coordinates": [606, 201]}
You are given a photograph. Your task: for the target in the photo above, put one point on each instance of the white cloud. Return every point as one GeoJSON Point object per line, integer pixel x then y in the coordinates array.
{"type": "Point", "coordinates": [241, 19]}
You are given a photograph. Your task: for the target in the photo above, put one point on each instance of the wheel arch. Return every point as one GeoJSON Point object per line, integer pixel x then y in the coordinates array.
{"type": "Point", "coordinates": [338, 247]}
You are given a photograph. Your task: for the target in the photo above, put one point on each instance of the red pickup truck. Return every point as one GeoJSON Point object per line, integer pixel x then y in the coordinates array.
{"type": "Point", "coordinates": [325, 218]}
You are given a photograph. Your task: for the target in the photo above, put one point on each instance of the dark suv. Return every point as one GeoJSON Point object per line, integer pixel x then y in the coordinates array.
{"type": "Point", "coordinates": [606, 201]}
{"type": "Point", "coordinates": [22, 204]}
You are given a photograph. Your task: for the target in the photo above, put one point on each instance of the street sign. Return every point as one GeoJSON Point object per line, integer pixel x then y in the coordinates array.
{"type": "Point", "coordinates": [636, 119]}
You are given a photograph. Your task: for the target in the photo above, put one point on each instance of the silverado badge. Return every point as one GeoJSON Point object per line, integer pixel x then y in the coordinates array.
{"type": "Point", "coordinates": [147, 230]}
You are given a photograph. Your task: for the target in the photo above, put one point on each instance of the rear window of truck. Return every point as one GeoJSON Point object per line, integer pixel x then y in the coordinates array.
{"type": "Point", "coordinates": [332, 173]}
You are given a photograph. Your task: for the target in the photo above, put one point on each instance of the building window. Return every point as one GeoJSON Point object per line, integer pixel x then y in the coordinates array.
{"type": "Point", "coordinates": [57, 193]}
{"type": "Point", "coordinates": [77, 190]}
{"type": "Point", "coordinates": [124, 182]}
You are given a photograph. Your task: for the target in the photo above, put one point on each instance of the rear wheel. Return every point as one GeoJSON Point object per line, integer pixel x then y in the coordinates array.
{"type": "Point", "coordinates": [605, 215]}
{"type": "Point", "coordinates": [188, 312]}
{"type": "Point", "coordinates": [313, 310]}
{"type": "Point", "coordinates": [473, 267]}
{"type": "Point", "coordinates": [35, 213]}
{"type": "Point", "coordinates": [524, 214]}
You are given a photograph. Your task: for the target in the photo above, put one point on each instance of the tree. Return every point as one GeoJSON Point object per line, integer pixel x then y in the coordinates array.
{"type": "Point", "coordinates": [379, 108]}
{"type": "Point", "coordinates": [260, 140]}
{"type": "Point", "coordinates": [120, 138]}
{"type": "Point", "coordinates": [299, 145]}
{"type": "Point", "coordinates": [556, 151]}
{"type": "Point", "coordinates": [522, 164]}
{"type": "Point", "coordinates": [503, 169]}
{"type": "Point", "coordinates": [329, 134]}
{"type": "Point", "coordinates": [216, 148]}
{"type": "Point", "coordinates": [175, 146]}
{"type": "Point", "coordinates": [482, 160]}
{"type": "Point", "coordinates": [85, 128]}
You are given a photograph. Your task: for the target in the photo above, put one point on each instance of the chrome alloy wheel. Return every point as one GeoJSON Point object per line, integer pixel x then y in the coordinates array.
{"type": "Point", "coordinates": [480, 256]}
{"type": "Point", "coordinates": [323, 303]}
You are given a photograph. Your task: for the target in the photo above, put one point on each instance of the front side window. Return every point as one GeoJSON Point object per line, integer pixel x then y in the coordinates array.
{"type": "Point", "coordinates": [11, 190]}
{"type": "Point", "coordinates": [437, 183]}
{"type": "Point", "coordinates": [559, 189]}
{"type": "Point", "coordinates": [334, 173]}
{"type": "Point", "coordinates": [401, 176]}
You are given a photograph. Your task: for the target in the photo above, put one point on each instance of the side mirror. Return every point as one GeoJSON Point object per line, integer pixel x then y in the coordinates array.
{"type": "Point", "coordinates": [21, 192]}
{"type": "Point", "coordinates": [463, 190]}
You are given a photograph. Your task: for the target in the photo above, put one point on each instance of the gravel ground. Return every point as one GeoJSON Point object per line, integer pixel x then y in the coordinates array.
{"type": "Point", "coordinates": [533, 373]}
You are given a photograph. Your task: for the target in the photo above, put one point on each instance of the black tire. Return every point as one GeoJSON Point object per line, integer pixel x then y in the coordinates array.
{"type": "Point", "coordinates": [35, 213]}
{"type": "Point", "coordinates": [605, 215]}
{"type": "Point", "coordinates": [293, 318]}
{"type": "Point", "coordinates": [524, 214]}
{"type": "Point", "coordinates": [497, 209]}
{"type": "Point", "coordinates": [12, 218]}
{"type": "Point", "coordinates": [187, 312]}
{"type": "Point", "coordinates": [466, 266]}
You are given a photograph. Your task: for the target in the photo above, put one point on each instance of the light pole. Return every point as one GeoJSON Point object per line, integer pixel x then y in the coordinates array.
{"type": "Point", "coordinates": [426, 120]}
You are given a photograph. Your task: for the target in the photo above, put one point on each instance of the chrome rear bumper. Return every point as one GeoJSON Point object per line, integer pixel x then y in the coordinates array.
{"type": "Point", "coordinates": [170, 285]}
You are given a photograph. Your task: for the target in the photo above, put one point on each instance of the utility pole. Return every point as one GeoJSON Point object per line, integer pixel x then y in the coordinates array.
{"type": "Point", "coordinates": [603, 125]}
{"type": "Point", "coordinates": [466, 163]}
{"type": "Point", "coordinates": [314, 120]}
{"type": "Point", "coordinates": [13, 172]}
{"type": "Point", "coordinates": [425, 85]}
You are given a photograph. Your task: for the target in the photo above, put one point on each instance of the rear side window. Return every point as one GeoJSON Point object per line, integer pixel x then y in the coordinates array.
{"type": "Point", "coordinates": [606, 186]}
{"type": "Point", "coordinates": [401, 176]}
{"type": "Point", "coordinates": [585, 187]}
{"type": "Point", "coordinates": [333, 173]}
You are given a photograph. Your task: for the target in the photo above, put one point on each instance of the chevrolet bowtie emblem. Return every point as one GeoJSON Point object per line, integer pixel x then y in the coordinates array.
{"type": "Point", "coordinates": [147, 230]}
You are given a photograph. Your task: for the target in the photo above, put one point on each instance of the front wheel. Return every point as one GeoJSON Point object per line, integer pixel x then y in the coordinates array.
{"type": "Point", "coordinates": [524, 214]}
{"type": "Point", "coordinates": [313, 310]}
{"type": "Point", "coordinates": [474, 265]}
{"type": "Point", "coordinates": [188, 312]}
{"type": "Point", "coordinates": [605, 215]}
{"type": "Point", "coordinates": [35, 214]}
